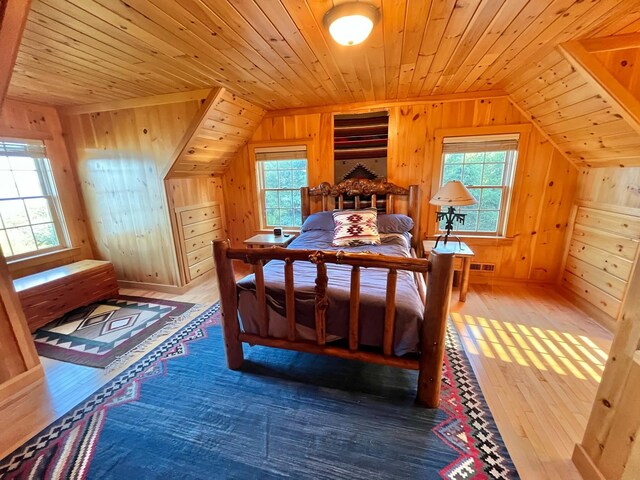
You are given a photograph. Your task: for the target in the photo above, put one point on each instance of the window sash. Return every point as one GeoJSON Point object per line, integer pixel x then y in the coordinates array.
{"type": "Point", "coordinates": [505, 186]}
{"type": "Point", "coordinates": [277, 154]}
{"type": "Point", "coordinates": [35, 150]}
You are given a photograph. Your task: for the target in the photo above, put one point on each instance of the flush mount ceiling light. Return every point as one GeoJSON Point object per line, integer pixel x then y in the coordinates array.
{"type": "Point", "coordinates": [351, 23]}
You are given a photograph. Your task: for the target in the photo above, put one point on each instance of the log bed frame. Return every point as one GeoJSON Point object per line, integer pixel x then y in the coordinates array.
{"type": "Point", "coordinates": [438, 270]}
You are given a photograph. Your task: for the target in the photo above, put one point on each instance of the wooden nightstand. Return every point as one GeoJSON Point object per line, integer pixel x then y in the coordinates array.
{"type": "Point", "coordinates": [269, 240]}
{"type": "Point", "coordinates": [462, 261]}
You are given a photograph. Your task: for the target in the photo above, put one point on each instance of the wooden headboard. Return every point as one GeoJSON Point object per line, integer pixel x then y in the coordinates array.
{"type": "Point", "coordinates": [360, 193]}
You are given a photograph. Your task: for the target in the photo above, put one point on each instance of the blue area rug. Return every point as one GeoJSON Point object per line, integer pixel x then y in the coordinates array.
{"type": "Point", "coordinates": [179, 412]}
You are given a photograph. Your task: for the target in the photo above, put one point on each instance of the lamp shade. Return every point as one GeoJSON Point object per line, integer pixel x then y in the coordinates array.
{"type": "Point", "coordinates": [453, 193]}
{"type": "Point", "coordinates": [351, 23]}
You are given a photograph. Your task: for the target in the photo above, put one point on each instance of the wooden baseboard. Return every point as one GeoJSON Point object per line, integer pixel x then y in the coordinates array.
{"type": "Point", "coordinates": [20, 385]}
{"type": "Point", "coordinates": [595, 313]}
{"type": "Point", "coordinates": [585, 466]}
{"type": "Point", "coordinates": [172, 289]}
{"type": "Point", "coordinates": [488, 279]}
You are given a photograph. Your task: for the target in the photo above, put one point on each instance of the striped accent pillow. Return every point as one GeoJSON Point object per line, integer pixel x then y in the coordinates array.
{"type": "Point", "coordinates": [355, 227]}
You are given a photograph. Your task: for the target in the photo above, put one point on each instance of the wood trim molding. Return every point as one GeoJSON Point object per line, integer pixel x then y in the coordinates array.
{"type": "Point", "coordinates": [603, 81]}
{"type": "Point", "coordinates": [20, 384]}
{"type": "Point", "coordinates": [136, 102]}
{"type": "Point", "coordinates": [585, 466]}
{"type": "Point", "coordinates": [13, 18]}
{"type": "Point", "coordinates": [199, 120]}
{"type": "Point", "coordinates": [23, 133]}
{"type": "Point", "coordinates": [378, 105]}
{"type": "Point", "coordinates": [606, 44]}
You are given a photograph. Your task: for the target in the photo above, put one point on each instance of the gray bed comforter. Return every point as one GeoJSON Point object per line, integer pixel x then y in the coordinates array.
{"type": "Point", "coordinates": [373, 281]}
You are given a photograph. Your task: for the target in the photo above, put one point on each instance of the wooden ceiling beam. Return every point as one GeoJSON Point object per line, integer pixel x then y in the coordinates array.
{"type": "Point", "coordinates": [607, 44]}
{"type": "Point", "coordinates": [607, 86]}
{"type": "Point", "coordinates": [13, 18]}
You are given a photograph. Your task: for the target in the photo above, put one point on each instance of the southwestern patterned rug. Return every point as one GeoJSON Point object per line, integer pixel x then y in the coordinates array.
{"type": "Point", "coordinates": [179, 412]}
{"type": "Point", "coordinates": [96, 335]}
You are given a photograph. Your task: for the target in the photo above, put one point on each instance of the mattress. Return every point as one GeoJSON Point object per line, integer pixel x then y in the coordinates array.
{"type": "Point", "coordinates": [373, 281]}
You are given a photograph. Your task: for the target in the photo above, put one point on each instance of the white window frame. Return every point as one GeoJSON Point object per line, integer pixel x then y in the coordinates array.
{"type": "Point", "coordinates": [508, 177]}
{"type": "Point", "coordinates": [260, 178]}
{"type": "Point", "coordinates": [49, 193]}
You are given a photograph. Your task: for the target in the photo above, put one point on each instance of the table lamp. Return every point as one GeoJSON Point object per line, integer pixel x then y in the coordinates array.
{"type": "Point", "coordinates": [452, 194]}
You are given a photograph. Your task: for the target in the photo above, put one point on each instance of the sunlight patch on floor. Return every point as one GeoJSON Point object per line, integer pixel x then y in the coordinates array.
{"type": "Point", "coordinates": [534, 347]}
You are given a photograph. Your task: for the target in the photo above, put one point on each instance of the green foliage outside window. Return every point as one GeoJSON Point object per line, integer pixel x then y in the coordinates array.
{"type": "Point", "coordinates": [282, 180]}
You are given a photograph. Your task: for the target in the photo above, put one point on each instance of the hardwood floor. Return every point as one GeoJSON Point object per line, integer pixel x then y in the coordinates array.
{"type": "Point", "coordinates": [538, 361]}
{"type": "Point", "coordinates": [537, 358]}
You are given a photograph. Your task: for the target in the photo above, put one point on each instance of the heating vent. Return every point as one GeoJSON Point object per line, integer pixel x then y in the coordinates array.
{"type": "Point", "coordinates": [483, 267]}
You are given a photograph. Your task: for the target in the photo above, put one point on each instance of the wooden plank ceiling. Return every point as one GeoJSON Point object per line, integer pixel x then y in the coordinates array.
{"type": "Point", "coordinates": [224, 124]}
{"type": "Point", "coordinates": [277, 54]}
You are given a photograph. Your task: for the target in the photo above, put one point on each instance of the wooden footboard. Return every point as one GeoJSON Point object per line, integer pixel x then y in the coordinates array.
{"type": "Point", "coordinates": [439, 271]}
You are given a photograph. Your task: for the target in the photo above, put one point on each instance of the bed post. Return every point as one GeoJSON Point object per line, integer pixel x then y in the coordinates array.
{"type": "Point", "coordinates": [305, 203]}
{"type": "Point", "coordinates": [229, 302]}
{"type": "Point", "coordinates": [413, 211]}
{"type": "Point", "coordinates": [434, 326]}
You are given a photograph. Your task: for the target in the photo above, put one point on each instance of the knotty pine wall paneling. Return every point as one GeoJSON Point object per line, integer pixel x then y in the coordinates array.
{"type": "Point", "coordinates": [546, 180]}
{"type": "Point", "coordinates": [120, 157]}
{"type": "Point", "coordinates": [27, 120]}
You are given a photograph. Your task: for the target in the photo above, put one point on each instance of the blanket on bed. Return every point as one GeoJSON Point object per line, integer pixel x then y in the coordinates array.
{"type": "Point", "coordinates": [373, 282]}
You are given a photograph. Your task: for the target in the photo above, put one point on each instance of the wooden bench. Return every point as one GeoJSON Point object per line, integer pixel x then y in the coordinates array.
{"type": "Point", "coordinates": [48, 295]}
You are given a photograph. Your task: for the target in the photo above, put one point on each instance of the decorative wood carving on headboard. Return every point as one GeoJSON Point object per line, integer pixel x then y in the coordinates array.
{"type": "Point", "coordinates": [363, 193]}
{"type": "Point", "coordinates": [358, 186]}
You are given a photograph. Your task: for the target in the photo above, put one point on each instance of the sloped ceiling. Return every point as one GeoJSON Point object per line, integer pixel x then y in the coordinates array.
{"type": "Point", "coordinates": [223, 125]}
{"type": "Point", "coordinates": [586, 105]}
{"type": "Point", "coordinates": [277, 54]}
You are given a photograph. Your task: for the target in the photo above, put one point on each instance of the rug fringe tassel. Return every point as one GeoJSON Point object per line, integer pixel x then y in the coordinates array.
{"type": "Point", "coordinates": [141, 347]}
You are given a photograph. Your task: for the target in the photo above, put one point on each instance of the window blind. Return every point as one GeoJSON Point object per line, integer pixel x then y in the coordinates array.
{"type": "Point", "coordinates": [298, 152]}
{"type": "Point", "coordinates": [22, 148]}
{"type": "Point", "coordinates": [485, 143]}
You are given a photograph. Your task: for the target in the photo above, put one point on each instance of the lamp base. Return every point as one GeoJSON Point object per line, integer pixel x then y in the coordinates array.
{"type": "Point", "coordinates": [445, 239]}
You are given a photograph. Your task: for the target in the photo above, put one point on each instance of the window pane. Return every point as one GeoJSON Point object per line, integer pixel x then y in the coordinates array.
{"type": "Point", "coordinates": [271, 179]}
{"type": "Point", "coordinates": [273, 218]}
{"type": "Point", "coordinates": [286, 218]}
{"type": "Point", "coordinates": [270, 165]}
{"type": "Point", "coordinates": [45, 235]}
{"type": "Point", "coordinates": [470, 222]}
{"type": "Point", "coordinates": [4, 244]}
{"type": "Point", "coordinates": [453, 158]}
{"type": "Point", "coordinates": [488, 221]}
{"type": "Point", "coordinates": [38, 210]}
{"type": "Point", "coordinates": [286, 178]}
{"type": "Point", "coordinates": [284, 164]}
{"type": "Point", "coordinates": [476, 192]}
{"type": "Point", "coordinates": [297, 199]}
{"type": "Point", "coordinates": [22, 163]}
{"type": "Point", "coordinates": [299, 164]}
{"type": "Point", "coordinates": [496, 156]}
{"type": "Point", "coordinates": [491, 199]}
{"type": "Point", "coordinates": [299, 178]}
{"type": "Point", "coordinates": [21, 240]}
{"type": "Point", "coordinates": [492, 174]}
{"type": "Point", "coordinates": [451, 172]}
{"type": "Point", "coordinates": [297, 217]}
{"type": "Point", "coordinates": [13, 213]}
{"type": "Point", "coordinates": [28, 183]}
{"type": "Point", "coordinates": [472, 174]}
{"type": "Point", "coordinates": [271, 199]}
{"type": "Point", "coordinates": [285, 199]}
{"type": "Point", "coordinates": [474, 157]}
{"type": "Point", "coordinates": [7, 186]}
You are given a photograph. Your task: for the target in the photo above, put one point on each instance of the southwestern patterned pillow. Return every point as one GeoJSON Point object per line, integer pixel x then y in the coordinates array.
{"type": "Point", "coordinates": [356, 227]}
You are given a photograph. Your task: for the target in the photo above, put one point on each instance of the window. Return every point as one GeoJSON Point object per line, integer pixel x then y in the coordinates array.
{"type": "Point", "coordinates": [30, 220]}
{"type": "Point", "coordinates": [280, 173]}
{"type": "Point", "coordinates": [485, 164]}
